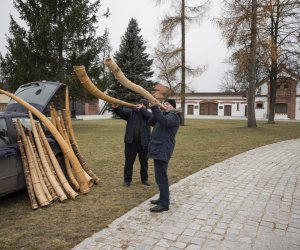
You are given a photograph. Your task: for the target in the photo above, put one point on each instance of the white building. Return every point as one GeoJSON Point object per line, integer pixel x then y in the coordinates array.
{"type": "Point", "coordinates": [235, 104]}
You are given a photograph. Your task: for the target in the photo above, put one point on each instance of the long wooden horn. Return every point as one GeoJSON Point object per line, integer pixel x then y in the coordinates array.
{"type": "Point", "coordinates": [119, 75]}
{"type": "Point", "coordinates": [30, 191]}
{"type": "Point", "coordinates": [72, 138]}
{"type": "Point", "coordinates": [62, 130]}
{"type": "Point", "coordinates": [37, 186]}
{"type": "Point", "coordinates": [76, 150]}
{"type": "Point", "coordinates": [84, 187]}
{"type": "Point", "coordinates": [66, 159]}
{"type": "Point", "coordinates": [68, 117]}
{"type": "Point", "coordinates": [58, 170]}
{"type": "Point", "coordinates": [44, 180]}
{"type": "Point", "coordinates": [38, 170]}
{"type": "Point", "coordinates": [58, 189]}
{"type": "Point", "coordinates": [90, 86]}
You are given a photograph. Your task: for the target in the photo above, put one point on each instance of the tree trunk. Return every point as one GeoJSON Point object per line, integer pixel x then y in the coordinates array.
{"type": "Point", "coordinates": [252, 68]}
{"type": "Point", "coordinates": [273, 82]}
{"type": "Point", "coordinates": [182, 93]}
{"type": "Point", "coordinates": [60, 68]}
{"type": "Point", "coordinates": [274, 69]}
{"type": "Point", "coordinates": [73, 107]}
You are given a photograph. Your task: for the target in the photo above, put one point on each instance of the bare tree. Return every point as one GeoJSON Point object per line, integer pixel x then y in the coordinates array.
{"type": "Point", "coordinates": [167, 61]}
{"type": "Point", "coordinates": [230, 84]}
{"type": "Point", "coordinates": [236, 79]}
{"type": "Point", "coordinates": [239, 27]}
{"type": "Point", "coordinates": [278, 25]}
{"type": "Point", "coordinates": [279, 37]}
{"type": "Point", "coordinates": [169, 55]}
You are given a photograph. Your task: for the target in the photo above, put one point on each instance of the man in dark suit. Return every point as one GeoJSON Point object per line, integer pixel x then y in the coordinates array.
{"type": "Point", "coordinates": [161, 146]}
{"type": "Point", "coordinates": [136, 139]}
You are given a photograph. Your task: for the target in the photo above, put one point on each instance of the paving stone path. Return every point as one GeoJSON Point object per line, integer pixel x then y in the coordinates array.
{"type": "Point", "coordinates": [250, 201]}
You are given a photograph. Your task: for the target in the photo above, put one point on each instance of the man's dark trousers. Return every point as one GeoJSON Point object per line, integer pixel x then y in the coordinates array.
{"type": "Point", "coordinates": [131, 150]}
{"type": "Point", "coordinates": [161, 178]}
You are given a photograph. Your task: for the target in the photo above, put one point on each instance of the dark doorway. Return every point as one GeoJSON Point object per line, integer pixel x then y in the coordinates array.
{"type": "Point", "coordinates": [209, 108]}
{"type": "Point", "coordinates": [227, 110]}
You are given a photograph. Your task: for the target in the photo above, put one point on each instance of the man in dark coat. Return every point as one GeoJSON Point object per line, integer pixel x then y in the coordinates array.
{"type": "Point", "coordinates": [136, 139]}
{"type": "Point", "coordinates": [161, 146]}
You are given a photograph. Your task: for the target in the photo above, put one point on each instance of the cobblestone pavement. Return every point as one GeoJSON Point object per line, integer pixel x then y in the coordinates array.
{"type": "Point", "coordinates": [250, 201]}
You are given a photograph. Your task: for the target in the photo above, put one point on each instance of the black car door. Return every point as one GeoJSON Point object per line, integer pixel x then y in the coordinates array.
{"type": "Point", "coordinates": [11, 172]}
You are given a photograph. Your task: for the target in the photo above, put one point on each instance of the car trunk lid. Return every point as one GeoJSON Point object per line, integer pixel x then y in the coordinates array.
{"type": "Point", "coordinates": [38, 94]}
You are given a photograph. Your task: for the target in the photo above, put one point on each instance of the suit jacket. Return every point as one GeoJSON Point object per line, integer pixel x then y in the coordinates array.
{"type": "Point", "coordinates": [162, 141]}
{"type": "Point", "coordinates": [130, 115]}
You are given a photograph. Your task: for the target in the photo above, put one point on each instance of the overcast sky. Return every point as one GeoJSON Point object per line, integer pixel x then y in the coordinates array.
{"type": "Point", "coordinates": [204, 45]}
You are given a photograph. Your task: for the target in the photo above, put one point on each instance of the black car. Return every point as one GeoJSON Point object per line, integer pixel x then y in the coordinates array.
{"type": "Point", "coordinates": [39, 95]}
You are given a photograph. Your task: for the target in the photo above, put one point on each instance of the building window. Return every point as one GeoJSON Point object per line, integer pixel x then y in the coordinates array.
{"type": "Point", "coordinates": [237, 107]}
{"type": "Point", "coordinates": [259, 105]}
{"type": "Point", "coordinates": [278, 86]}
{"type": "Point", "coordinates": [190, 109]}
{"type": "Point", "coordinates": [286, 86]}
{"type": "Point", "coordinates": [281, 108]}
{"type": "Point", "coordinates": [220, 107]}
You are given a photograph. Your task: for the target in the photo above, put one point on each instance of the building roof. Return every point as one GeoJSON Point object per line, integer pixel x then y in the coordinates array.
{"type": "Point", "coordinates": [212, 94]}
{"type": "Point", "coordinates": [161, 91]}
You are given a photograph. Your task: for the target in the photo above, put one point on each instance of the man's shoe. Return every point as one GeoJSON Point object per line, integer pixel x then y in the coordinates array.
{"type": "Point", "coordinates": [158, 209]}
{"type": "Point", "coordinates": [146, 183]}
{"type": "Point", "coordinates": [154, 202]}
{"type": "Point", "coordinates": [126, 184]}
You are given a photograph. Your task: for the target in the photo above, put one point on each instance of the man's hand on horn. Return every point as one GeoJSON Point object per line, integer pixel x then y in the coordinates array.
{"type": "Point", "coordinates": [154, 102]}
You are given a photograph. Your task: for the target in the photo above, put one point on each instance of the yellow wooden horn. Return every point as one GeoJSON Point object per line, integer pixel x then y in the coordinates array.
{"type": "Point", "coordinates": [84, 187]}
{"type": "Point", "coordinates": [90, 86]}
{"type": "Point", "coordinates": [119, 75]}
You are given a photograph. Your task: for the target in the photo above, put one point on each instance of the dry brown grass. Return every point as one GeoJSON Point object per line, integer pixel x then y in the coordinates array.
{"type": "Point", "coordinates": [200, 144]}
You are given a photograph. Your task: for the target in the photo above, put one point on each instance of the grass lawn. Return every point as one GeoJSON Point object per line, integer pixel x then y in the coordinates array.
{"type": "Point", "coordinates": [199, 144]}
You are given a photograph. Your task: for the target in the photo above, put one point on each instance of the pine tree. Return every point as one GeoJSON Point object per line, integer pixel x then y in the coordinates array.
{"type": "Point", "coordinates": [135, 64]}
{"type": "Point", "coordinates": [58, 35]}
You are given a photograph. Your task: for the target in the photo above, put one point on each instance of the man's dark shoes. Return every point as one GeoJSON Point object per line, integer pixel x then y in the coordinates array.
{"type": "Point", "coordinates": [126, 184]}
{"type": "Point", "coordinates": [158, 209]}
{"type": "Point", "coordinates": [146, 183]}
{"type": "Point", "coordinates": [154, 202]}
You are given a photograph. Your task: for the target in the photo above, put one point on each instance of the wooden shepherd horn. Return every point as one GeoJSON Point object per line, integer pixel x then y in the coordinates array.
{"type": "Point", "coordinates": [84, 187]}
{"type": "Point", "coordinates": [119, 75]}
{"type": "Point", "coordinates": [57, 168]}
{"type": "Point", "coordinates": [38, 170]}
{"type": "Point", "coordinates": [37, 186]}
{"type": "Point", "coordinates": [28, 180]}
{"type": "Point", "coordinates": [55, 184]}
{"type": "Point", "coordinates": [68, 116]}
{"type": "Point", "coordinates": [90, 86]}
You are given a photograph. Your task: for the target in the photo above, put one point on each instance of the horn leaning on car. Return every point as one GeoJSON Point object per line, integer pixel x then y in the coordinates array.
{"type": "Point", "coordinates": [78, 171]}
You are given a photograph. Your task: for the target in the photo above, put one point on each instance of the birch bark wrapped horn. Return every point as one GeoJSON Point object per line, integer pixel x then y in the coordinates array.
{"type": "Point", "coordinates": [119, 75]}
{"type": "Point", "coordinates": [59, 191]}
{"type": "Point", "coordinates": [84, 187]}
{"type": "Point", "coordinates": [90, 86]}
{"type": "Point", "coordinates": [28, 180]}
{"type": "Point", "coordinates": [72, 139]}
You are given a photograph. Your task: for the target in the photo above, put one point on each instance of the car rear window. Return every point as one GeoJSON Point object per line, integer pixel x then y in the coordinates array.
{"type": "Point", "coordinates": [24, 120]}
{"type": "Point", "coordinates": [3, 133]}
